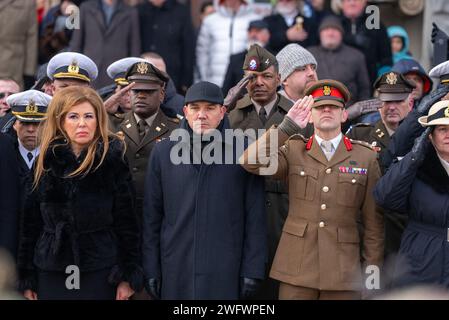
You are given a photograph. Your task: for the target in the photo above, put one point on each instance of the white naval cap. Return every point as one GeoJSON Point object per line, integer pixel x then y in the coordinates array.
{"type": "Point", "coordinates": [30, 105]}
{"type": "Point", "coordinates": [117, 70]}
{"type": "Point", "coordinates": [72, 65]}
{"type": "Point", "coordinates": [441, 71]}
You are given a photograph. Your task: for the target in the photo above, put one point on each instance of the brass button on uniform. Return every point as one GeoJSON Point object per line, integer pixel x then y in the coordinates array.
{"type": "Point", "coordinates": [135, 169]}
{"type": "Point", "coordinates": [353, 181]}
{"type": "Point", "coordinates": [321, 224]}
{"type": "Point", "coordinates": [328, 170]}
{"type": "Point", "coordinates": [137, 155]}
{"type": "Point", "coordinates": [323, 206]}
{"type": "Point", "coordinates": [326, 189]}
{"type": "Point", "coordinates": [302, 173]}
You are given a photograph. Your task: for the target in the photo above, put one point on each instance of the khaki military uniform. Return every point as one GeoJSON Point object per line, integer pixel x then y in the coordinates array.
{"type": "Point", "coordinates": [376, 135]}
{"type": "Point", "coordinates": [320, 244]}
{"type": "Point", "coordinates": [138, 152]}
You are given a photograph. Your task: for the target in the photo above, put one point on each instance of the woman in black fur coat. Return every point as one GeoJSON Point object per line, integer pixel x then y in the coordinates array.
{"type": "Point", "coordinates": [79, 236]}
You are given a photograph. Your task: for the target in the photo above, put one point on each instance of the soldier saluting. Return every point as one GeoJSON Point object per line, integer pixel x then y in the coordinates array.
{"type": "Point", "coordinates": [330, 179]}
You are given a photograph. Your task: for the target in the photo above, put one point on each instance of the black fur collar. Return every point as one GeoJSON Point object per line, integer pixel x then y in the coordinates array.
{"type": "Point", "coordinates": [433, 173]}
{"type": "Point", "coordinates": [61, 159]}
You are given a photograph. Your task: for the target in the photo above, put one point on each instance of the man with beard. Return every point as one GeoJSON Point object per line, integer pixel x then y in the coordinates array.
{"type": "Point", "coordinates": [297, 67]}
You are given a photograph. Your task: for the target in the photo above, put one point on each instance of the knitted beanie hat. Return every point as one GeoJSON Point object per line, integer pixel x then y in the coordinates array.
{"type": "Point", "coordinates": [293, 56]}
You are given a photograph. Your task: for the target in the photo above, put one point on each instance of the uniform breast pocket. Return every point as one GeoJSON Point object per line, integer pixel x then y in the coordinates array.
{"type": "Point", "coordinates": [351, 189]}
{"type": "Point", "coordinates": [302, 182]}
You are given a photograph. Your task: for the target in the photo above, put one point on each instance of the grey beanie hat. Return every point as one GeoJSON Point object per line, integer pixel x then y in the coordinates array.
{"type": "Point", "coordinates": [293, 56]}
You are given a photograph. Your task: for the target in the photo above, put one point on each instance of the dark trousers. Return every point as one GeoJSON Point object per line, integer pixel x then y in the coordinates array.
{"type": "Point", "coordinates": [94, 285]}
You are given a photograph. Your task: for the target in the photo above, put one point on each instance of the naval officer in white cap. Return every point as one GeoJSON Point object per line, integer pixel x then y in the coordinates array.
{"type": "Point", "coordinates": [71, 69]}
{"type": "Point", "coordinates": [29, 108]}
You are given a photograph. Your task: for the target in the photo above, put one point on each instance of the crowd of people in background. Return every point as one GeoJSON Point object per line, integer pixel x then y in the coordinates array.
{"type": "Point", "coordinates": [87, 176]}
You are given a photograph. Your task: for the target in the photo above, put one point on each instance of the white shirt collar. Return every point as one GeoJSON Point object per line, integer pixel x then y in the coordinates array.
{"type": "Point", "coordinates": [335, 141]}
{"type": "Point", "coordinates": [444, 163]}
{"type": "Point", "coordinates": [24, 153]}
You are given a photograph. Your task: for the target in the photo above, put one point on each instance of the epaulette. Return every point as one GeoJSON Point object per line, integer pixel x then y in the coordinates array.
{"type": "Point", "coordinates": [177, 119]}
{"type": "Point", "coordinates": [297, 136]}
{"type": "Point", "coordinates": [362, 143]}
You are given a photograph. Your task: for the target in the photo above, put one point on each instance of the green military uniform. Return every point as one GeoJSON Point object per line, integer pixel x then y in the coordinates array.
{"type": "Point", "coordinates": [138, 149]}
{"type": "Point", "coordinates": [244, 116]}
{"type": "Point", "coordinates": [392, 86]}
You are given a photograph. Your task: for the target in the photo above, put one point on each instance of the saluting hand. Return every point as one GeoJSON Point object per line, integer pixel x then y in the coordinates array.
{"type": "Point", "coordinates": [301, 111]}
{"type": "Point", "coordinates": [113, 102]}
{"type": "Point", "coordinates": [236, 92]}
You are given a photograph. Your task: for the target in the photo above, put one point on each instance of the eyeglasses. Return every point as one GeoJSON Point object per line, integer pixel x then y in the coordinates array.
{"type": "Point", "coordinates": [5, 94]}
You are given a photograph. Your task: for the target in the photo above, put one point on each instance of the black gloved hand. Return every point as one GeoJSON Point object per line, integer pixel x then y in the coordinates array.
{"type": "Point", "coordinates": [237, 92]}
{"type": "Point", "coordinates": [431, 98]}
{"type": "Point", "coordinates": [437, 32]}
{"type": "Point", "coordinates": [153, 288]}
{"type": "Point", "coordinates": [248, 287]}
{"type": "Point", "coordinates": [421, 146]}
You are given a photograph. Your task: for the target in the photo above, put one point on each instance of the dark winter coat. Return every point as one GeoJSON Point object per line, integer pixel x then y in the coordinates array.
{"type": "Point", "coordinates": [423, 193]}
{"type": "Point", "coordinates": [168, 31]}
{"type": "Point", "coordinates": [344, 64]}
{"type": "Point", "coordinates": [278, 31]}
{"type": "Point", "coordinates": [204, 225]}
{"type": "Point", "coordinates": [85, 221]}
{"type": "Point", "coordinates": [373, 43]}
{"type": "Point", "coordinates": [9, 195]}
{"type": "Point", "coordinates": [105, 44]}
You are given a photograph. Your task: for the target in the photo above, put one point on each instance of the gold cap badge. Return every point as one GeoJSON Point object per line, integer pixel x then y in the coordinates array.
{"type": "Point", "coordinates": [392, 78]}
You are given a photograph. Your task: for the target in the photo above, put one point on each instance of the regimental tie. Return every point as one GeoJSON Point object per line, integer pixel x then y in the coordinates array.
{"type": "Point", "coordinates": [30, 156]}
{"type": "Point", "coordinates": [327, 148]}
{"type": "Point", "coordinates": [263, 115]}
{"type": "Point", "coordinates": [142, 125]}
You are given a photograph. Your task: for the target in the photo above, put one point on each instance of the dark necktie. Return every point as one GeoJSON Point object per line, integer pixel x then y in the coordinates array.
{"type": "Point", "coordinates": [142, 128]}
{"type": "Point", "coordinates": [263, 115]}
{"type": "Point", "coordinates": [29, 156]}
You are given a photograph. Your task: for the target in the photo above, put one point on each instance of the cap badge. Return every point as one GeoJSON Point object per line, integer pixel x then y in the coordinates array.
{"type": "Point", "coordinates": [327, 90]}
{"type": "Point", "coordinates": [392, 78]}
{"type": "Point", "coordinates": [253, 64]}
{"type": "Point", "coordinates": [446, 112]}
{"type": "Point", "coordinates": [31, 107]}
{"type": "Point", "coordinates": [142, 68]}
{"type": "Point", "coordinates": [267, 61]}
{"type": "Point", "coordinates": [74, 68]}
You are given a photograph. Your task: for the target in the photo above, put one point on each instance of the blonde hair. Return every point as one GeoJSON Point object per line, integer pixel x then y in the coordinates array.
{"type": "Point", "coordinates": [52, 128]}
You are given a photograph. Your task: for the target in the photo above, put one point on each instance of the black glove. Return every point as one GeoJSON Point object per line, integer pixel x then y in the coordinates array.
{"type": "Point", "coordinates": [431, 98]}
{"type": "Point", "coordinates": [237, 92]}
{"type": "Point", "coordinates": [248, 287]}
{"type": "Point", "coordinates": [153, 288]}
{"type": "Point", "coordinates": [421, 146]}
{"type": "Point", "coordinates": [437, 32]}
